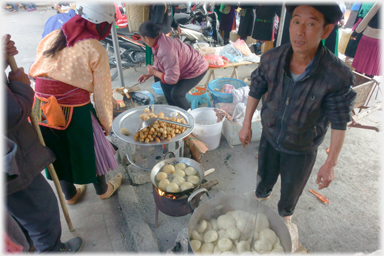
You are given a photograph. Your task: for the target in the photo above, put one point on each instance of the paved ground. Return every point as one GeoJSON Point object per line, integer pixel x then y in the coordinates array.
{"type": "Point", "coordinates": [125, 222]}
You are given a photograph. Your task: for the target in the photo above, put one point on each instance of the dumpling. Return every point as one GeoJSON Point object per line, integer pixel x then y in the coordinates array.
{"type": "Point", "coordinates": [268, 234]}
{"type": "Point", "coordinates": [163, 184]}
{"type": "Point", "coordinates": [190, 171]}
{"type": "Point", "coordinates": [172, 188]}
{"type": "Point", "coordinates": [210, 236]}
{"type": "Point", "coordinates": [222, 233]}
{"type": "Point", "coordinates": [193, 179]}
{"type": "Point", "coordinates": [228, 253]}
{"type": "Point", "coordinates": [209, 226]}
{"type": "Point", "coordinates": [179, 173]}
{"type": "Point", "coordinates": [233, 233]}
{"type": "Point", "coordinates": [196, 236]}
{"type": "Point", "coordinates": [185, 185]}
{"type": "Point", "coordinates": [243, 246]}
{"type": "Point", "coordinates": [195, 245]}
{"type": "Point", "coordinates": [278, 247]}
{"type": "Point", "coordinates": [214, 224]}
{"type": "Point", "coordinates": [216, 250]}
{"type": "Point", "coordinates": [125, 131]}
{"type": "Point", "coordinates": [262, 246]}
{"type": "Point", "coordinates": [202, 226]}
{"type": "Point", "coordinates": [262, 222]}
{"type": "Point", "coordinates": [207, 248]}
{"type": "Point", "coordinates": [161, 176]}
{"type": "Point", "coordinates": [225, 244]}
{"type": "Point", "coordinates": [226, 221]}
{"type": "Point", "coordinates": [168, 168]}
{"type": "Point", "coordinates": [180, 166]}
{"type": "Point", "coordinates": [178, 180]}
{"type": "Point", "coordinates": [241, 223]}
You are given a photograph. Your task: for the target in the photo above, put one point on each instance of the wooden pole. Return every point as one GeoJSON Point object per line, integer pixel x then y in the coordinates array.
{"type": "Point", "coordinates": [51, 169]}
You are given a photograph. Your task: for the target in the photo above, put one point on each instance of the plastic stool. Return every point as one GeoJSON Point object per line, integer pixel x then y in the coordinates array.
{"type": "Point", "coordinates": [195, 100]}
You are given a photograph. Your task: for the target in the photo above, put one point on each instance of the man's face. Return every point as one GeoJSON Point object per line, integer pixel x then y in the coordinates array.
{"type": "Point", "coordinates": [307, 29]}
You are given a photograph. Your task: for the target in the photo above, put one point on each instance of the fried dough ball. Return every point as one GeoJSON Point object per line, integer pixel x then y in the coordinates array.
{"type": "Point", "coordinates": [172, 188]}
{"type": "Point", "coordinates": [161, 176]}
{"type": "Point", "coordinates": [178, 180]}
{"type": "Point", "coordinates": [181, 166]}
{"type": "Point", "coordinates": [193, 179]}
{"type": "Point", "coordinates": [168, 168]}
{"type": "Point", "coordinates": [163, 184]}
{"type": "Point", "coordinates": [125, 131]}
{"type": "Point", "coordinates": [146, 110]}
{"type": "Point", "coordinates": [179, 173]}
{"type": "Point", "coordinates": [186, 185]}
{"type": "Point", "coordinates": [190, 171]}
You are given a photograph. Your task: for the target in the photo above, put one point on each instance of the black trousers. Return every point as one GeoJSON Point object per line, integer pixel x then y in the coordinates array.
{"type": "Point", "coordinates": [37, 211]}
{"type": "Point", "coordinates": [69, 189]}
{"type": "Point", "coordinates": [294, 170]}
{"type": "Point", "coordinates": [175, 93]}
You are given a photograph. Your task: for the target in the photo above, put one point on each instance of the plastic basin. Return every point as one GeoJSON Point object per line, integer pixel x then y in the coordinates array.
{"type": "Point", "coordinates": [206, 127]}
{"type": "Point", "coordinates": [157, 87]}
{"type": "Point", "coordinates": [219, 83]}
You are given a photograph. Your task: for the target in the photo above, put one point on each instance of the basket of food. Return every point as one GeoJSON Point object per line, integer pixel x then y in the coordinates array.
{"type": "Point", "coordinates": [216, 61]}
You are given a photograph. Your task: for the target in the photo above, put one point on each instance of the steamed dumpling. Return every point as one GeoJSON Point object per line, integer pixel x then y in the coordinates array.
{"type": "Point", "coordinates": [178, 180]}
{"type": "Point", "coordinates": [193, 179]}
{"type": "Point", "coordinates": [216, 250]}
{"type": "Point", "coordinates": [163, 184]}
{"type": "Point", "coordinates": [195, 244]}
{"type": "Point", "coordinates": [196, 236]}
{"type": "Point", "coordinates": [243, 246]}
{"type": "Point", "coordinates": [179, 173]}
{"type": "Point", "coordinates": [261, 222]}
{"type": "Point", "coordinates": [222, 233]}
{"type": "Point", "coordinates": [225, 244]}
{"type": "Point", "coordinates": [210, 236]}
{"type": "Point", "coordinates": [233, 233]}
{"type": "Point", "coordinates": [202, 226]}
{"type": "Point", "coordinates": [161, 176]}
{"type": "Point", "coordinates": [207, 248]}
{"type": "Point", "coordinates": [168, 168]}
{"type": "Point", "coordinates": [214, 224]}
{"type": "Point", "coordinates": [226, 221]}
{"type": "Point", "coordinates": [185, 185]}
{"type": "Point", "coordinates": [180, 166]}
{"type": "Point", "coordinates": [268, 234]}
{"type": "Point", "coordinates": [262, 246]}
{"type": "Point", "coordinates": [190, 171]}
{"type": "Point", "coordinates": [172, 188]}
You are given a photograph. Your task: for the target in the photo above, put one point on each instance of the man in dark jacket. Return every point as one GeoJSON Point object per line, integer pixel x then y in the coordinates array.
{"type": "Point", "coordinates": [308, 88]}
{"type": "Point", "coordinates": [30, 199]}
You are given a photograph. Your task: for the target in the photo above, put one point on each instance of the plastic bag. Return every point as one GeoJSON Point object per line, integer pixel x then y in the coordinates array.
{"type": "Point", "coordinates": [214, 59]}
{"type": "Point", "coordinates": [232, 53]}
{"type": "Point", "coordinates": [252, 58]}
{"type": "Point", "coordinates": [242, 47]}
{"type": "Point", "coordinates": [240, 94]}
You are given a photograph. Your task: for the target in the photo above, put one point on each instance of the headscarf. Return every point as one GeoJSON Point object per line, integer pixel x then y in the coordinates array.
{"type": "Point", "coordinates": [78, 29]}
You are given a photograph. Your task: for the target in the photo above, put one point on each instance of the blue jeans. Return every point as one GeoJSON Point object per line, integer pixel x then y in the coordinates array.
{"type": "Point", "coordinates": [14, 6]}
{"type": "Point", "coordinates": [31, 4]}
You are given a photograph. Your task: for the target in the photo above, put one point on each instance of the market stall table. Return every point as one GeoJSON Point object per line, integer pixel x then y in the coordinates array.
{"type": "Point", "coordinates": [233, 65]}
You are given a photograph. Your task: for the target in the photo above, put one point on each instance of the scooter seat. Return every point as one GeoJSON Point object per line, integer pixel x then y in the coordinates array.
{"type": "Point", "coordinates": [192, 27]}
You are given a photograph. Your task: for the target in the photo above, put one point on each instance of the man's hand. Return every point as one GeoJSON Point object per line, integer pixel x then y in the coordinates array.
{"type": "Point", "coordinates": [245, 135]}
{"type": "Point", "coordinates": [143, 78]}
{"type": "Point", "coordinates": [19, 76]}
{"type": "Point", "coordinates": [325, 175]}
{"type": "Point", "coordinates": [151, 70]}
{"type": "Point", "coordinates": [179, 31]}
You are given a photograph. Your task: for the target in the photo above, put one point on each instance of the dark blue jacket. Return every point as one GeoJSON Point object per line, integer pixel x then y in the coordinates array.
{"type": "Point", "coordinates": [57, 21]}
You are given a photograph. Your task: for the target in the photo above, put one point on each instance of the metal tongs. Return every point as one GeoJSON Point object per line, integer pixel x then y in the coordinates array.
{"type": "Point", "coordinates": [151, 120]}
{"type": "Point", "coordinates": [254, 227]}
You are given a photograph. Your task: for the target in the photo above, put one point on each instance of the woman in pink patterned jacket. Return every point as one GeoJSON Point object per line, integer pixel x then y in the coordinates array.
{"type": "Point", "coordinates": [178, 66]}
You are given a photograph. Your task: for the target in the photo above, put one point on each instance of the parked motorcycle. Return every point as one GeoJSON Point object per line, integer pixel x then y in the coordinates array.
{"type": "Point", "coordinates": [199, 26]}
{"type": "Point", "coordinates": [132, 51]}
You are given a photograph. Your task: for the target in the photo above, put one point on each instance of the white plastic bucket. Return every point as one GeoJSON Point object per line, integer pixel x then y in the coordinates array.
{"type": "Point", "coordinates": [206, 127]}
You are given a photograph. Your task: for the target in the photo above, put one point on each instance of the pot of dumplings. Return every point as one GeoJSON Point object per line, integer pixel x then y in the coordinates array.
{"type": "Point", "coordinates": [177, 176]}
{"type": "Point", "coordinates": [220, 226]}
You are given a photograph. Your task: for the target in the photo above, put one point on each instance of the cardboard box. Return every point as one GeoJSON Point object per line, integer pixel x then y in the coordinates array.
{"type": "Point", "coordinates": [231, 130]}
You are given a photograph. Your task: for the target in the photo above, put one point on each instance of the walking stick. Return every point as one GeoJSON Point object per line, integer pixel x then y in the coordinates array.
{"type": "Point", "coordinates": [52, 172]}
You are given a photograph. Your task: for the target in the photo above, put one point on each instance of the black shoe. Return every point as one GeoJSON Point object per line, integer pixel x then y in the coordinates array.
{"type": "Point", "coordinates": [73, 245]}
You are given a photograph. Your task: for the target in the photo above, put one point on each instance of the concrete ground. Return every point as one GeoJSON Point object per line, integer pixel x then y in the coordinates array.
{"type": "Point", "coordinates": [350, 224]}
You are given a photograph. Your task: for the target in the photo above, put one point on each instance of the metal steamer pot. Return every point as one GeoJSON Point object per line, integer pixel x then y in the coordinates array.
{"type": "Point", "coordinates": [189, 162]}
{"type": "Point", "coordinates": [222, 204]}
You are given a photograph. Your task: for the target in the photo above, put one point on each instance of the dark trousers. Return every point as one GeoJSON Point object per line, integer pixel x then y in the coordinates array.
{"type": "Point", "coordinates": [294, 170]}
{"type": "Point", "coordinates": [69, 189]}
{"type": "Point", "coordinates": [36, 210]}
{"type": "Point", "coordinates": [175, 93]}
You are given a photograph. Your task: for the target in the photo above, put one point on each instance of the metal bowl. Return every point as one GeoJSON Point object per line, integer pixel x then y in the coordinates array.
{"type": "Point", "coordinates": [130, 119]}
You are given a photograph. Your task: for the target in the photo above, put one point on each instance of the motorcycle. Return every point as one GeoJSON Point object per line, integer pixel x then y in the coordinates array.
{"type": "Point", "coordinates": [132, 51]}
{"type": "Point", "coordinates": [199, 26]}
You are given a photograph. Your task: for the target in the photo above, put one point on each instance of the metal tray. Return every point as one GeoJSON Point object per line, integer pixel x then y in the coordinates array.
{"type": "Point", "coordinates": [130, 119]}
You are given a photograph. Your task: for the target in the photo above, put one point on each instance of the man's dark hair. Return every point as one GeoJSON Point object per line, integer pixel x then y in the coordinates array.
{"type": "Point", "coordinates": [149, 29]}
